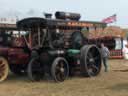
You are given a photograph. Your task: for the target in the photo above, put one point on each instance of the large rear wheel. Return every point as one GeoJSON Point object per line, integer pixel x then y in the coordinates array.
{"type": "Point", "coordinates": [90, 60]}
{"type": "Point", "coordinates": [4, 69]}
{"type": "Point", "coordinates": [60, 69]}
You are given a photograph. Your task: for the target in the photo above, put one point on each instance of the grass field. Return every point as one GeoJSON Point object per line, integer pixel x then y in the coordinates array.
{"type": "Point", "coordinates": [112, 83]}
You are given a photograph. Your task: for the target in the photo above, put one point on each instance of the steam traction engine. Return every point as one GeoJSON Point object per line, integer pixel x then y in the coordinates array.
{"type": "Point", "coordinates": [59, 46]}
{"type": "Point", "coordinates": [14, 54]}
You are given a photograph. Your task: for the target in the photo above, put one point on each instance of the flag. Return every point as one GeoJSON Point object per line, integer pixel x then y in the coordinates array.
{"type": "Point", "coordinates": [110, 19]}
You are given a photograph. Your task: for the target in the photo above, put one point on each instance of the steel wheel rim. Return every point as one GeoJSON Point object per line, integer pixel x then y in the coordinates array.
{"type": "Point", "coordinates": [93, 61]}
{"type": "Point", "coordinates": [3, 69]}
{"type": "Point", "coordinates": [61, 70]}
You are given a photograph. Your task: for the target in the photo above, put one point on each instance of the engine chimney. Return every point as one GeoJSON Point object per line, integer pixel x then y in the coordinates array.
{"type": "Point", "coordinates": [48, 15]}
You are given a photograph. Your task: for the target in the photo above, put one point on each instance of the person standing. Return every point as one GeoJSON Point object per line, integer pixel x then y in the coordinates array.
{"type": "Point", "coordinates": [105, 54]}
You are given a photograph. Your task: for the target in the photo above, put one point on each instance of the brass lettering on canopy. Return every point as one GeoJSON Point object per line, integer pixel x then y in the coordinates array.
{"type": "Point", "coordinates": [81, 24]}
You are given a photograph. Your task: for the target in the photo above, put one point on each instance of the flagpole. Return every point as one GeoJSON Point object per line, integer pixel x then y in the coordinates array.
{"type": "Point", "coordinates": [115, 23]}
{"type": "Point", "coordinates": [115, 19]}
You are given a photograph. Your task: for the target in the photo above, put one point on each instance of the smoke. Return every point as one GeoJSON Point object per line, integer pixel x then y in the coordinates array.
{"type": "Point", "coordinates": [16, 14]}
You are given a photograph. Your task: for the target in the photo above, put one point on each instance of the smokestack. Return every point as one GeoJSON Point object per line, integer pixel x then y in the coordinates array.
{"type": "Point", "coordinates": [48, 15]}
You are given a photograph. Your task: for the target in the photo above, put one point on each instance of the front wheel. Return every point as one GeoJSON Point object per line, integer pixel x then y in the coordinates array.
{"type": "Point", "coordinates": [60, 69]}
{"type": "Point", "coordinates": [35, 69]}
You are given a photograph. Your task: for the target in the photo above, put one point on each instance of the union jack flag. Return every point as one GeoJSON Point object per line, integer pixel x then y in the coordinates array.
{"type": "Point", "coordinates": [110, 19]}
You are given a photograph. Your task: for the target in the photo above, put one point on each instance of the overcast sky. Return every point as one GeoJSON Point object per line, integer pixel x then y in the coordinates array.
{"type": "Point", "coordinates": [92, 10]}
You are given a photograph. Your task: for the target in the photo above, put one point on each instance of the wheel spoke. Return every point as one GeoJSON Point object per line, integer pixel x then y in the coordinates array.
{"type": "Point", "coordinates": [62, 76]}
{"type": "Point", "coordinates": [62, 64]}
{"type": "Point", "coordinates": [96, 57]}
{"type": "Point", "coordinates": [59, 69]}
{"type": "Point", "coordinates": [94, 66]}
{"type": "Point", "coordinates": [88, 57]}
{"type": "Point", "coordinates": [59, 77]}
{"type": "Point", "coordinates": [2, 66]}
{"type": "Point", "coordinates": [59, 73]}
{"type": "Point", "coordinates": [2, 63]}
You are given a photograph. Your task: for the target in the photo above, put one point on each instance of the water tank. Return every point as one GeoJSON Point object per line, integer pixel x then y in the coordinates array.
{"type": "Point", "coordinates": [67, 15]}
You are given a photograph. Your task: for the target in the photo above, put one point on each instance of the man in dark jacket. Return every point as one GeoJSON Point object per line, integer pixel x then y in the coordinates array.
{"type": "Point", "coordinates": [105, 54]}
